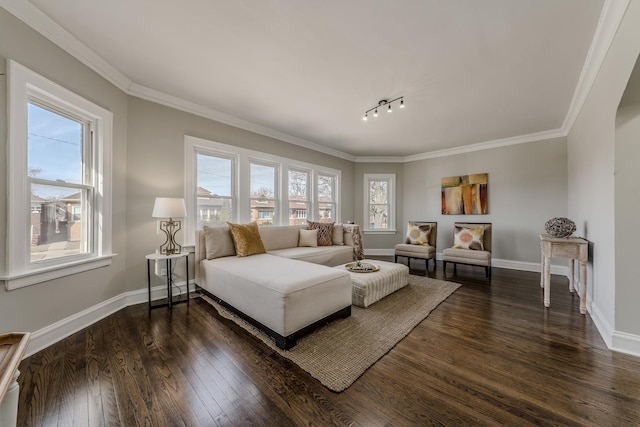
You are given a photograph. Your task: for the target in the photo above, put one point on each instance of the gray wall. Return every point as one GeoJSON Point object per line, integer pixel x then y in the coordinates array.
{"type": "Point", "coordinates": [156, 157]}
{"type": "Point", "coordinates": [527, 186]}
{"type": "Point", "coordinates": [591, 148]}
{"type": "Point", "coordinates": [34, 307]}
{"type": "Point", "coordinates": [627, 201]}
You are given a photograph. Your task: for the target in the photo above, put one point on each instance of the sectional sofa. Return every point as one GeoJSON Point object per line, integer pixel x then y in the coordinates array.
{"type": "Point", "coordinates": [288, 291]}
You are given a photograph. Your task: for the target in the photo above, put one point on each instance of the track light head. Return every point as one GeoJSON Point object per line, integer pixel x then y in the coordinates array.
{"type": "Point", "coordinates": [401, 102]}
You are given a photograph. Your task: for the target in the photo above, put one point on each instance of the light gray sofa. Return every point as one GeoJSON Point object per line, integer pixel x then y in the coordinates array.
{"type": "Point", "coordinates": [288, 291]}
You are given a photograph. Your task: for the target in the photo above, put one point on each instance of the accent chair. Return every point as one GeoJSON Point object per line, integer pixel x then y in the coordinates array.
{"type": "Point", "coordinates": [472, 246]}
{"type": "Point", "coordinates": [419, 243]}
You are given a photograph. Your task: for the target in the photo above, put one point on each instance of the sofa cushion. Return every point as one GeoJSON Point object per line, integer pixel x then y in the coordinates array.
{"type": "Point", "coordinates": [246, 239]}
{"type": "Point", "coordinates": [283, 302]}
{"type": "Point", "coordinates": [337, 236]}
{"type": "Point", "coordinates": [325, 255]}
{"type": "Point", "coordinates": [325, 230]}
{"type": "Point", "coordinates": [280, 236]}
{"type": "Point", "coordinates": [417, 234]}
{"type": "Point", "coordinates": [466, 256]}
{"type": "Point", "coordinates": [308, 238]}
{"type": "Point", "coordinates": [468, 238]}
{"type": "Point", "coordinates": [218, 242]}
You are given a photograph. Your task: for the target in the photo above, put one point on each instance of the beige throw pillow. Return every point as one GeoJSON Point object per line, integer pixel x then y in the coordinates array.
{"type": "Point", "coordinates": [338, 235]}
{"type": "Point", "coordinates": [246, 239]}
{"type": "Point", "coordinates": [308, 238]}
{"type": "Point", "coordinates": [218, 242]}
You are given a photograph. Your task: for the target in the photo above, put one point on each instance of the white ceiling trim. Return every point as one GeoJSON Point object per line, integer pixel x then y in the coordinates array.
{"type": "Point", "coordinates": [36, 19]}
{"type": "Point", "coordinates": [532, 137]}
{"type": "Point", "coordinates": [610, 18]}
{"type": "Point", "coordinates": [612, 13]}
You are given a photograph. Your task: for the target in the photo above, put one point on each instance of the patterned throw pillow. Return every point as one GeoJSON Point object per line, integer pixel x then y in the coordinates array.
{"type": "Point", "coordinates": [246, 239]}
{"type": "Point", "coordinates": [469, 238]}
{"type": "Point", "coordinates": [325, 232]}
{"type": "Point", "coordinates": [418, 234]}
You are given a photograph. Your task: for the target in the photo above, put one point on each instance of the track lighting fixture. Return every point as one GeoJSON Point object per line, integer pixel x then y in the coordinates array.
{"type": "Point", "coordinates": [382, 103]}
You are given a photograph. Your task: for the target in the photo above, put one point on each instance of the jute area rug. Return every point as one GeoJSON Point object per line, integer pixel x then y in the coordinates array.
{"type": "Point", "coordinates": [340, 352]}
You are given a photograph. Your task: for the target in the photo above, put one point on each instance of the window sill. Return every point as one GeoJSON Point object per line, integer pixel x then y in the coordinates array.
{"type": "Point", "coordinates": [29, 278]}
{"type": "Point", "coordinates": [379, 231]}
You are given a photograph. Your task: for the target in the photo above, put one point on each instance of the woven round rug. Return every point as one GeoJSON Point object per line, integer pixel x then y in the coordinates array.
{"type": "Point", "coordinates": [340, 352]}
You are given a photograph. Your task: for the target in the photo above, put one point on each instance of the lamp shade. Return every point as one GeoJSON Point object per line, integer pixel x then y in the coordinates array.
{"type": "Point", "coordinates": [168, 207]}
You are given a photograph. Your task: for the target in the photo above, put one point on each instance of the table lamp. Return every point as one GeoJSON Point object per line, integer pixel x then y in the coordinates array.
{"type": "Point", "coordinates": [167, 207]}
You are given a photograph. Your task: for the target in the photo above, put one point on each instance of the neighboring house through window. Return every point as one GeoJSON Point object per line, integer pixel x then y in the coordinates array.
{"type": "Point", "coordinates": [59, 171]}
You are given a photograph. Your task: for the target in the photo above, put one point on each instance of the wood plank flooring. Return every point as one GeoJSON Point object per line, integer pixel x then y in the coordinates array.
{"type": "Point", "coordinates": [489, 355]}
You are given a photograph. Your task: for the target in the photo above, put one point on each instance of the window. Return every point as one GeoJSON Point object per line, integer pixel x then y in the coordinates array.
{"type": "Point", "coordinates": [379, 203]}
{"type": "Point", "coordinates": [214, 193]}
{"type": "Point", "coordinates": [298, 184]}
{"type": "Point", "coordinates": [263, 190]}
{"type": "Point", "coordinates": [225, 182]}
{"type": "Point", "coordinates": [326, 198]}
{"type": "Point", "coordinates": [59, 168]}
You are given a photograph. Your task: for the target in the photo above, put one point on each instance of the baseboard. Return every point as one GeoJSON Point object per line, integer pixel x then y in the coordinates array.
{"type": "Point", "coordinates": [51, 334]}
{"type": "Point", "coordinates": [379, 252]}
{"type": "Point", "coordinates": [603, 326]}
{"type": "Point", "coordinates": [626, 343]}
{"type": "Point", "coordinates": [500, 263]}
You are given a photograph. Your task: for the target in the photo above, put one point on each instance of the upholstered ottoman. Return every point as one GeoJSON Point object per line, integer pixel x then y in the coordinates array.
{"type": "Point", "coordinates": [368, 288]}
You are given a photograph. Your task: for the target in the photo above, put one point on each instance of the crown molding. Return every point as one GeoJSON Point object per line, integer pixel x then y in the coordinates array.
{"type": "Point", "coordinates": [487, 145]}
{"type": "Point", "coordinates": [608, 23]}
{"type": "Point", "coordinates": [612, 13]}
{"type": "Point", "coordinates": [36, 19]}
{"type": "Point", "coordinates": [158, 97]}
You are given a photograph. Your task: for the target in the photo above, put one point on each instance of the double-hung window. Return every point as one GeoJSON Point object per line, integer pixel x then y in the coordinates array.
{"type": "Point", "coordinates": [229, 183]}
{"type": "Point", "coordinates": [379, 203]}
{"type": "Point", "coordinates": [59, 161]}
{"type": "Point", "coordinates": [326, 197]}
{"type": "Point", "coordinates": [214, 189]}
{"type": "Point", "coordinates": [263, 192]}
{"type": "Point", "coordinates": [298, 184]}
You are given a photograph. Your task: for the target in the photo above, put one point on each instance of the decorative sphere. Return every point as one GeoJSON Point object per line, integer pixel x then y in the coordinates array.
{"type": "Point", "coordinates": [560, 227]}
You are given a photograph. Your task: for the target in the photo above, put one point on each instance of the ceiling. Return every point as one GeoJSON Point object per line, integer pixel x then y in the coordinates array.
{"type": "Point", "coordinates": [471, 72]}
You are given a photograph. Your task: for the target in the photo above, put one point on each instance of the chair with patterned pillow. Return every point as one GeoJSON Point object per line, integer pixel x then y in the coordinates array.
{"type": "Point", "coordinates": [471, 246]}
{"type": "Point", "coordinates": [419, 243]}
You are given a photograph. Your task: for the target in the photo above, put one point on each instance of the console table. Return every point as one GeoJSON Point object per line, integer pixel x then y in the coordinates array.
{"type": "Point", "coordinates": [573, 248]}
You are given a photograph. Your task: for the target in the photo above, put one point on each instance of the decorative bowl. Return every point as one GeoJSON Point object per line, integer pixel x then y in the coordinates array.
{"type": "Point", "coordinates": [560, 227]}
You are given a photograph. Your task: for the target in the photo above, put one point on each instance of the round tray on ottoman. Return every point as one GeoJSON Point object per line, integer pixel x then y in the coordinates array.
{"type": "Point", "coordinates": [369, 288]}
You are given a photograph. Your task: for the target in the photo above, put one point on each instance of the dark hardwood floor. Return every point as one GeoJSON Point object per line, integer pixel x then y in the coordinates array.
{"type": "Point", "coordinates": [489, 355]}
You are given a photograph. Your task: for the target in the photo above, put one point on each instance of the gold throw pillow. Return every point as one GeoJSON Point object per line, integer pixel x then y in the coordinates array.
{"type": "Point", "coordinates": [246, 239]}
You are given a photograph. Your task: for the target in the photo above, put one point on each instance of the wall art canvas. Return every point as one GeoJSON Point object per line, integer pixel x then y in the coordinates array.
{"type": "Point", "coordinates": [465, 195]}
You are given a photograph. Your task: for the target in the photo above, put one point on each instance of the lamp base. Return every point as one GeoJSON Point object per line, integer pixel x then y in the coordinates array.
{"type": "Point", "coordinates": [170, 228]}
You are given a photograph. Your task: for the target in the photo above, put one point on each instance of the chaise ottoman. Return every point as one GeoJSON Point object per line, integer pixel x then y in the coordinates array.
{"type": "Point", "coordinates": [368, 288]}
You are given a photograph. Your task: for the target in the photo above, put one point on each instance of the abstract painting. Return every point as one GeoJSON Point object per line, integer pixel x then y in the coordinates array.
{"type": "Point", "coordinates": [465, 195]}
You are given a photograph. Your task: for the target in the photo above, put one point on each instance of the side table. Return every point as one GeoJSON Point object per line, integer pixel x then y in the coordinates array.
{"type": "Point", "coordinates": [168, 259]}
{"type": "Point", "coordinates": [573, 248]}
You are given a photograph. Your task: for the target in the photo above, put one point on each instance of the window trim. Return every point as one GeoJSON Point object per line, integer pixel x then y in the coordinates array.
{"type": "Point", "coordinates": [391, 178]}
{"type": "Point", "coordinates": [24, 86]}
{"type": "Point", "coordinates": [243, 157]}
